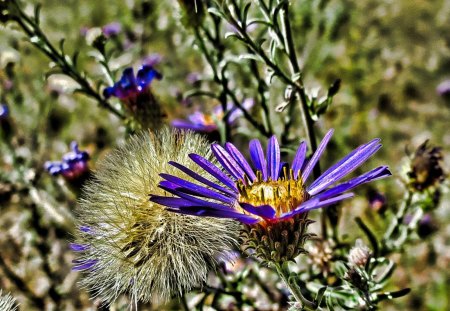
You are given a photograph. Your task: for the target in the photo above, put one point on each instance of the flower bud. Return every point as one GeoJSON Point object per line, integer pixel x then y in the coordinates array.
{"type": "Point", "coordinates": [359, 254]}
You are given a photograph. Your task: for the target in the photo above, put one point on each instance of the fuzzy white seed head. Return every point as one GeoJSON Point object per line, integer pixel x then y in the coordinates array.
{"type": "Point", "coordinates": [7, 302]}
{"type": "Point", "coordinates": [138, 246]}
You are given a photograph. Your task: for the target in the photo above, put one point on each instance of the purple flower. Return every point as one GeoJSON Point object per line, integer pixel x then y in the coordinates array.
{"type": "Point", "coordinates": [129, 87]}
{"type": "Point", "coordinates": [4, 111]}
{"type": "Point", "coordinates": [112, 29]}
{"type": "Point", "coordinates": [269, 192]}
{"type": "Point", "coordinates": [201, 122]}
{"type": "Point", "coordinates": [73, 165]}
{"type": "Point", "coordinates": [152, 59]}
{"type": "Point", "coordinates": [443, 88]}
{"type": "Point", "coordinates": [377, 201]}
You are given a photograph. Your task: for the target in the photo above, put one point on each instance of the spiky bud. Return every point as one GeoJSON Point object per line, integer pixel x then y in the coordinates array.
{"type": "Point", "coordinates": [277, 242]}
{"type": "Point", "coordinates": [129, 244]}
{"type": "Point", "coordinates": [426, 170]}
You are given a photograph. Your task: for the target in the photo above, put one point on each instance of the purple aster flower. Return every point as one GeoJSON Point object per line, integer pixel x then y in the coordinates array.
{"type": "Point", "coordinates": [269, 195]}
{"type": "Point", "coordinates": [136, 95]}
{"type": "Point", "coordinates": [112, 29]}
{"type": "Point", "coordinates": [130, 86]}
{"type": "Point", "coordinates": [197, 121]}
{"type": "Point", "coordinates": [201, 122]}
{"type": "Point", "coordinates": [73, 165]}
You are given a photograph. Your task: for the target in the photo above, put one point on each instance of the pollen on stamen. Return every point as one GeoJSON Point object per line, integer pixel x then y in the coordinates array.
{"type": "Point", "coordinates": [283, 194]}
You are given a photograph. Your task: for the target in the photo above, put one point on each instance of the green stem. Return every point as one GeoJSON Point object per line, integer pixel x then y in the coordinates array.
{"type": "Point", "coordinates": [223, 82]}
{"type": "Point", "coordinates": [33, 30]}
{"type": "Point", "coordinates": [294, 288]}
{"type": "Point", "coordinates": [394, 226]}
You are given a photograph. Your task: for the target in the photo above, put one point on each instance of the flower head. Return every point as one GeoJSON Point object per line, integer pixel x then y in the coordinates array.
{"type": "Point", "coordinates": [136, 95]}
{"type": "Point", "coordinates": [112, 29]}
{"type": "Point", "coordinates": [202, 122]}
{"type": "Point", "coordinates": [271, 197]}
{"type": "Point", "coordinates": [359, 254]}
{"type": "Point", "coordinates": [425, 168]}
{"type": "Point", "coordinates": [130, 86]}
{"type": "Point", "coordinates": [128, 244]}
{"type": "Point", "coordinates": [74, 164]}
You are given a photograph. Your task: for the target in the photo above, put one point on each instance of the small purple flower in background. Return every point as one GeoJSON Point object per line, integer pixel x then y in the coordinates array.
{"type": "Point", "coordinates": [133, 90]}
{"type": "Point", "coordinates": [193, 77]}
{"type": "Point", "coordinates": [270, 195]}
{"type": "Point", "coordinates": [4, 111]}
{"type": "Point", "coordinates": [443, 88]}
{"type": "Point", "coordinates": [83, 31]}
{"type": "Point", "coordinates": [377, 201]}
{"type": "Point", "coordinates": [152, 59]}
{"type": "Point", "coordinates": [112, 29]}
{"type": "Point", "coordinates": [73, 165]}
{"type": "Point", "coordinates": [137, 97]}
{"type": "Point", "coordinates": [426, 225]}
{"type": "Point", "coordinates": [130, 86]}
{"type": "Point", "coordinates": [198, 121]}
{"type": "Point", "coordinates": [201, 122]}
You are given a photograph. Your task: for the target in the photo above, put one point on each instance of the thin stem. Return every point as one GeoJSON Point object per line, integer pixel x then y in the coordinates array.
{"type": "Point", "coordinates": [33, 30]}
{"type": "Point", "coordinates": [262, 86]}
{"type": "Point", "coordinates": [394, 226]}
{"type": "Point", "coordinates": [307, 120]}
{"type": "Point", "coordinates": [223, 81]}
{"type": "Point", "coordinates": [294, 289]}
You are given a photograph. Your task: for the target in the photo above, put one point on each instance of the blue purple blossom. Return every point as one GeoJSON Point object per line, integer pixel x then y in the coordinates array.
{"type": "Point", "coordinates": [73, 165]}
{"type": "Point", "coordinates": [130, 86]}
{"type": "Point", "coordinates": [268, 192]}
{"type": "Point", "coordinates": [112, 29]}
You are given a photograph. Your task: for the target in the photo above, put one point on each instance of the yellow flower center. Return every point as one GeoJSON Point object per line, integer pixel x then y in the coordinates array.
{"type": "Point", "coordinates": [283, 194]}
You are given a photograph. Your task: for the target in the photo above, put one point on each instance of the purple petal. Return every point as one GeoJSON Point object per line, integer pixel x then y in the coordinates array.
{"type": "Point", "coordinates": [172, 188]}
{"type": "Point", "coordinates": [345, 166]}
{"type": "Point", "coordinates": [213, 170]}
{"type": "Point", "coordinates": [377, 173]}
{"type": "Point", "coordinates": [199, 211]}
{"type": "Point", "coordinates": [145, 76]}
{"type": "Point", "coordinates": [316, 156]}
{"type": "Point", "coordinates": [315, 203]}
{"type": "Point", "coordinates": [299, 159]}
{"type": "Point", "coordinates": [83, 264]}
{"type": "Point", "coordinates": [273, 157]}
{"type": "Point", "coordinates": [203, 180]}
{"type": "Point", "coordinates": [237, 155]}
{"type": "Point", "coordinates": [257, 156]}
{"type": "Point", "coordinates": [265, 211]}
{"type": "Point", "coordinates": [86, 229]}
{"type": "Point", "coordinates": [78, 247]}
{"type": "Point", "coordinates": [127, 81]}
{"type": "Point", "coordinates": [171, 202]}
{"type": "Point", "coordinates": [196, 189]}
{"type": "Point", "coordinates": [227, 161]}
